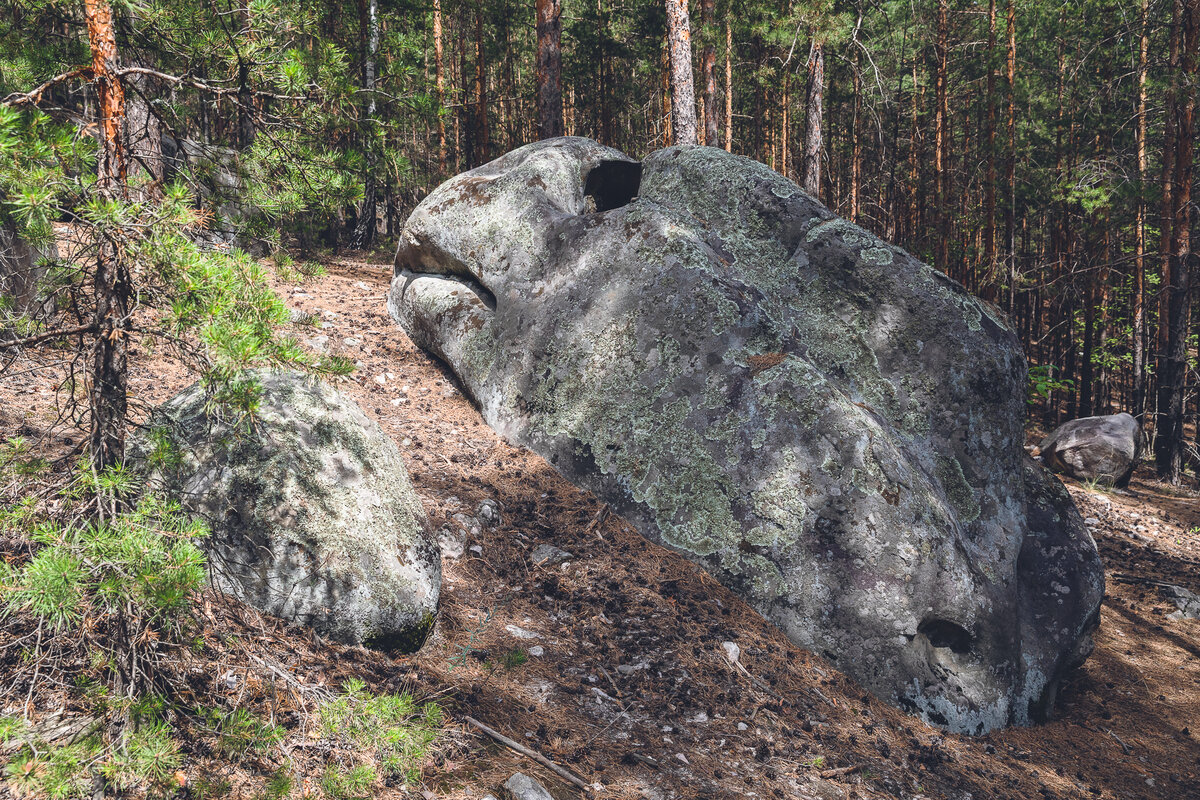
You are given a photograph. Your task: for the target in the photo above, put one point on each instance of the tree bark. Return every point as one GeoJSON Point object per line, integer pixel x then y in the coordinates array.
{"type": "Point", "coordinates": [989, 199]}
{"type": "Point", "coordinates": [708, 65]}
{"type": "Point", "coordinates": [810, 172]}
{"type": "Point", "coordinates": [109, 389]}
{"type": "Point", "coordinates": [1170, 448]}
{"type": "Point", "coordinates": [549, 68]}
{"type": "Point", "coordinates": [683, 96]}
{"type": "Point", "coordinates": [728, 86]}
{"type": "Point", "coordinates": [440, 83]}
{"type": "Point", "coordinates": [940, 136]}
{"type": "Point", "coordinates": [1010, 165]}
{"type": "Point", "coordinates": [1138, 407]}
{"type": "Point", "coordinates": [482, 137]}
{"type": "Point", "coordinates": [364, 231]}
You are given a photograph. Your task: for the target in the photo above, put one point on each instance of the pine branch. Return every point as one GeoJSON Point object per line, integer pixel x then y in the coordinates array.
{"type": "Point", "coordinates": [34, 96]}
{"type": "Point", "coordinates": [41, 337]}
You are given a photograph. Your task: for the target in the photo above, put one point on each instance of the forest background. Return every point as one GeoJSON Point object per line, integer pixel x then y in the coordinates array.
{"type": "Point", "coordinates": [1039, 153]}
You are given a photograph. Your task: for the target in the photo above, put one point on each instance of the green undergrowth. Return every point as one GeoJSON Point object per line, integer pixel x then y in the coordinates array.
{"type": "Point", "coordinates": [106, 588]}
{"type": "Point", "coordinates": [397, 729]}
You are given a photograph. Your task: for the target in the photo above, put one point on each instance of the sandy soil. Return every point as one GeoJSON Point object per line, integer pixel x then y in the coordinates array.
{"type": "Point", "coordinates": [630, 686]}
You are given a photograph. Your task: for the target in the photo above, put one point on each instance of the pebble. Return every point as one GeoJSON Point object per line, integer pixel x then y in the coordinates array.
{"type": "Point", "coordinates": [521, 633]}
{"type": "Point", "coordinates": [489, 513]}
{"type": "Point", "coordinates": [732, 651]}
{"type": "Point", "coordinates": [537, 651]}
{"type": "Point", "coordinates": [548, 554]}
{"type": "Point", "coordinates": [524, 787]}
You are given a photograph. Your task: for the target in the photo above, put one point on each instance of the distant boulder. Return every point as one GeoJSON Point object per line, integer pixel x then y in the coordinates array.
{"type": "Point", "coordinates": [313, 516]}
{"type": "Point", "coordinates": [1103, 449]}
{"type": "Point", "coordinates": [831, 428]}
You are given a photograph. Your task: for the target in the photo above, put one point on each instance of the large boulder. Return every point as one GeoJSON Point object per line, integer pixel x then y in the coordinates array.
{"type": "Point", "coordinates": [827, 425]}
{"type": "Point", "coordinates": [313, 516]}
{"type": "Point", "coordinates": [1103, 449]}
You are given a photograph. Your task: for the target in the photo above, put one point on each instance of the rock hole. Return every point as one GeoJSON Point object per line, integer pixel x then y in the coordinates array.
{"type": "Point", "coordinates": [943, 633]}
{"type": "Point", "coordinates": [612, 184]}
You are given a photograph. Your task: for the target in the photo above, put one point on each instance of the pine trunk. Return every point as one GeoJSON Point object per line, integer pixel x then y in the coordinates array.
{"type": "Point", "coordinates": [549, 68]}
{"type": "Point", "coordinates": [708, 65]}
{"type": "Point", "coordinates": [108, 394]}
{"type": "Point", "coordinates": [728, 86]}
{"type": "Point", "coordinates": [440, 83]}
{"type": "Point", "coordinates": [364, 231]}
{"type": "Point", "coordinates": [1170, 442]}
{"type": "Point", "coordinates": [683, 96]}
{"type": "Point", "coordinates": [810, 172]}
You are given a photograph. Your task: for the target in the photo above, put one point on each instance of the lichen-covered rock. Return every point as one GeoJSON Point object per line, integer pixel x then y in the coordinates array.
{"type": "Point", "coordinates": [827, 425]}
{"type": "Point", "coordinates": [1103, 449]}
{"type": "Point", "coordinates": [313, 516]}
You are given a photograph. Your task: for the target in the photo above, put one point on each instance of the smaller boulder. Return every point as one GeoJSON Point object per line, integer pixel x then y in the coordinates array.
{"type": "Point", "coordinates": [1103, 449]}
{"type": "Point", "coordinates": [313, 516]}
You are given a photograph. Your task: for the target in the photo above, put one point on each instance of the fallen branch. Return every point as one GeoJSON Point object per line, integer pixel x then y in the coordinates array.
{"type": "Point", "coordinates": [839, 772]}
{"type": "Point", "coordinates": [1124, 746]}
{"type": "Point", "coordinates": [525, 751]}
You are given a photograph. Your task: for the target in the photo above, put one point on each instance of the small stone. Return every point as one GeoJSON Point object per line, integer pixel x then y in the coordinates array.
{"type": "Point", "coordinates": [524, 787]}
{"type": "Point", "coordinates": [476, 549]}
{"type": "Point", "coordinates": [701, 717]}
{"type": "Point", "coordinates": [682, 758]}
{"type": "Point", "coordinates": [381, 379]}
{"type": "Point", "coordinates": [489, 513]}
{"type": "Point", "coordinates": [732, 651]}
{"type": "Point", "coordinates": [350, 341]}
{"type": "Point", "coordinates": [318, 344]}
{"type": "Point", "coordinates": [537, 651]}
{"type": "Point", "coordinates": [545, 555]}
{"type": "Point", "coordinates": [521, 633]}
{"type": "Point", "coordinates": [1091, 521]}
{"type": "Point", "coordinates": [743, 726]}
{"type": "Point", "coordinates": [451, 544]}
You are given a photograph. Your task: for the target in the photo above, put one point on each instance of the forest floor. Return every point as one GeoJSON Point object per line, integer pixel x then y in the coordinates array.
{"type": "Point", "coordinates": [609, 660]}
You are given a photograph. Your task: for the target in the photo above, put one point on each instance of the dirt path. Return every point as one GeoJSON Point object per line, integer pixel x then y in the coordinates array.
{"type": "Point", "coordinates": [610, 660]}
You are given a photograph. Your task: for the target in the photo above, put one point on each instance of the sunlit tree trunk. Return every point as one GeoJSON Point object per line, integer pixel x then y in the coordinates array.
{"type": "Point", "coordinates": [728, 86]}
{"type": "Point", "coordinates": [1139, 247]}
{"type": "Point", "coordinates": [482, 138]}
{"type": "Point", "coordinates": [810, 172]}
{"type": "Point", "coordinates": [708, 64]}
{"type": "Point", "coordinates": [549, 68]}
{"type": "Point", "coordinates": [1010, 208]}
{"type": "Point", "coordinates": [683, 95]}
{"type": "Point", "coordinates": [989, 199]}
{"type": "Point", "coordinates": [1173, 373]}
{"type": "Point", "coordinates": [941, 113]}
{"type": "Point", "coordinates": [364, 231]}
{"type": "Point", "coordinates": [108, 392]}
{"type": "Point", "coordinates": [440, 83]}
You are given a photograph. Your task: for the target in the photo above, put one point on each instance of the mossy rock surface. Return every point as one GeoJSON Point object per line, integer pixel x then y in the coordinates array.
{"type": "Point", "coordinates": [824, 423]}
{"type": "Point", "coordinates": [313, 516]}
